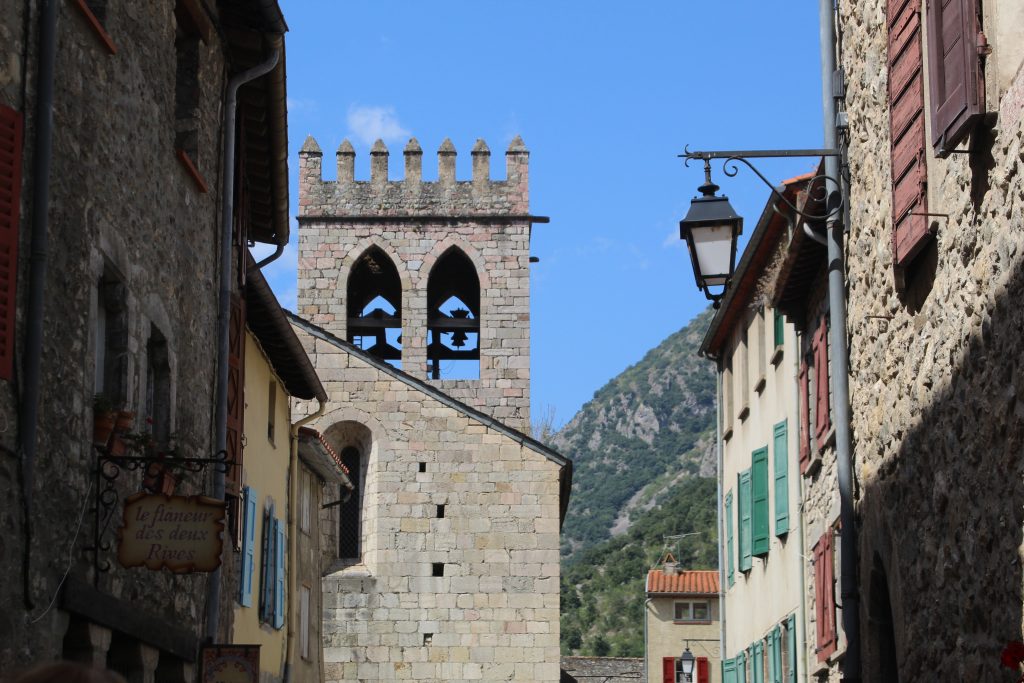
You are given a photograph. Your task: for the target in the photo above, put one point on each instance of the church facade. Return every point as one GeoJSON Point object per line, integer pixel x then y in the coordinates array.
{"type": "Point", "coordinates": [414, 306]}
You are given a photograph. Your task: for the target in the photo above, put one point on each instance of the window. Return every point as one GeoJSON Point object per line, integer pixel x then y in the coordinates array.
{"type": "Point", "coordinates": [691, 610]}
{"type": "Point", "coordinates": [10, 207]}
{"type": "Point", "coordinates": [759, 511]}
{"type": "Point", "coordinates": [672, 670]}
{"type": "Point", "coordinates": [437, 569]}
{"type": "Point", "coordinates": [956, 84]}
{"type": "Point", "coordinates": [730, 576]}
{"type": "Point", "coordinates": [453, 318]}
{"type": "Point", "coordinates": [727, 397]}
{"type": "Point", "coordinates": [272, 570]}
{"type": "Point", "coordinates": [305, 503]}
{"type": "Point", "coordinates": [822, 421]}
{"type": "Point", "coordinates": [780, 448]}
{"type": "Point", "coordinates": [248, 547]}
{"type": "Point", "coordinates": [773, 658]}
{"type": "Point", "coordinates": [271, 409]}
{"type": "Point", "coordinates": [110, 339]}
{"type": "Point", "coordinates": [349, 523]}
{"type": "Point", "coordinates": [779, 328]}
{"type": "Point", "coordinates": [824, 596]}
{"type": "Point", "coordinates": [757, 662]}
{"type": "Point", "coordinates": [95, 13]}
{"type": "Point", "coordinates": [761, 351]}
{"type": "Point", "coordinates": [744, 393]}
{"type": "Point", "coordinates": [158, 387]}
{"type": "Point", "coordinates": [744, 505]}
{"type": "Point", "coordinates": [304, 595]}
{"type": "Point", "coordinates": [374, 306]}
{"type": "Point", "coordinates": [789, 644]}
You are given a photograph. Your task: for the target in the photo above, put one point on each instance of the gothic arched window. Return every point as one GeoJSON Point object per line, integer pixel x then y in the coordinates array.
{"type": "Point", "coordinates": [374, 306]}
{"type": "Point", "coordinates": [453, 318]}
{"type": "Point", "coordinates": [350, 522]}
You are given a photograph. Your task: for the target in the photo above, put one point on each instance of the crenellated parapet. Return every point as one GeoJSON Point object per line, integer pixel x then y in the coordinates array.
{"type": "Point", "coordinates": [412, 196]}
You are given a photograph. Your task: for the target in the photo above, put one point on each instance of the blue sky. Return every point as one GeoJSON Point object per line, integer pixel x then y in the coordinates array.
{"type": "Point", "coordinates": [605, 95]}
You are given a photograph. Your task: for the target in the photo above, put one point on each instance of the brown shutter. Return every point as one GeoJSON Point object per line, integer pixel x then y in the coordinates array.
{"type": "Point", "coordinates": [955, 83]}
{"type": "Point", "coordinates": [10, 206]}
{"type": "Point", "coordinates": [820, 344]}
{"type": "Point", "coordinates": [805, 427]}
{"type": "Point", "coordinates": [236, 393]}
{"type": "Point", "coordinates": [906, 124]}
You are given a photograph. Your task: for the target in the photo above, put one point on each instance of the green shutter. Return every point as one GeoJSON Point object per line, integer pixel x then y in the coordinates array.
{"type": "Point", "coordinates": [744, 520]}
{"type": "Point", "coordinates": [741, 668]}
{"type": "Point", "coordinates": [781, 446]}
{"type": "Point", "coordinates": [759, 485]}
{"type": "Point", "coordinates": [729, 671]}
{"type": "Point", "coordinates": [775, 648]}
{"type": "Point", "coordinates": [728, 540]}
{"type": "Point", "coordinates": [791, 642]}
{"type": "Point", "coordinates": [757, 662]}
{"type": "Point", "coordinates": [770, 658]}
{"type": "Point", "coordinates": [780, 336]}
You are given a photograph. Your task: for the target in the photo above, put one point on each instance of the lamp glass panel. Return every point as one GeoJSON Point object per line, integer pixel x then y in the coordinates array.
{"type": "Point", "coordinates": [686, 664]}
{"type": "Point", "coordinates": [713, 245]}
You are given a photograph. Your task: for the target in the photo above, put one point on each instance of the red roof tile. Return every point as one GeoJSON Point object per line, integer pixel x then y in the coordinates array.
{"type": "Point", "coordinates": [696, 581]}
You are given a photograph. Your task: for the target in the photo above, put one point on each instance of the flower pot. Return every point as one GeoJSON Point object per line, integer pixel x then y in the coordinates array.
{"type": "Point", "coordinates": [159, 479]}
{"type": "Point", "coordinates": [124, 422]}
{"type": "Point", "coordinates": [117, 446]}
{"type": "Point", "coordinates": [102, 428]}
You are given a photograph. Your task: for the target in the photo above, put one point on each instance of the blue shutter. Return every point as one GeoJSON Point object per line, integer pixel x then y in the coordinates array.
{"type": "Point", "coordinates": [759, 485]}
{"type": "Point", "coordinates": [248, 547]}
{"type": "Point", "coordinates": [728, 540]}
{"type": "Point", "coordinates": [791, 649]}
{"type": "Point", "coordinates": [266, 560]}
{"type": "Point", "coordinates": [278, 574]}
{"type": "Point", "coordinates": [781, 447]}
{"type": "Point", "coordinates": [744, 520]}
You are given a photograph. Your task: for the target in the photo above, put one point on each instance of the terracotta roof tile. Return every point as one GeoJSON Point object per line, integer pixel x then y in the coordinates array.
{"type": "Point", "coordinates": [695, 581]}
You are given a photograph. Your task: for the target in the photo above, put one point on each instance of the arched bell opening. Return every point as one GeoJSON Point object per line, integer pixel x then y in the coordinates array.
{"type": "Point", "coordinates": [374, 306]}
{"type": "Point", "coordinates": [453, 318]}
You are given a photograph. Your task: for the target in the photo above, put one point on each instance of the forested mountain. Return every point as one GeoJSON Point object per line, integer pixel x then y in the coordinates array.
{"type": "Point", "coordinates": [644, 467]}
{"type": "Point", "coordinates": [645, 430]}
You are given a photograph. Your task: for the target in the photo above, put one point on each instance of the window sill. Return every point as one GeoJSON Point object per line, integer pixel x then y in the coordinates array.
{"type": "Point", "coordinates": [777, 355]}
{"type": "Point", "coordinates": [679, 622]}
{"type": "Point", "coordinates": [193, 172]}
{"type": "Point", "coordinates": [813, 465]}
{"type": "Point", "coordinates": [828, 440]}
{"type": "Point", "coordinates": [96, 26]}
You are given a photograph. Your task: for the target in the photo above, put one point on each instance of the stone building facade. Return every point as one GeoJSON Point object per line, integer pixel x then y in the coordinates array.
{"type": "Point", "coordinates": [444, 563]}
{"type": "Point", "coordinates": [115, 230]}
{"type": "Point", "coordinates": [935, 358]}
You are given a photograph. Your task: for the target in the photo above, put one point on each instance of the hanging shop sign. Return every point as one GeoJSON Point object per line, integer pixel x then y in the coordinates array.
{"type": "Point", "coordinates": [179, 533]}
{"type": "Point", "coordinates": [229, 664]}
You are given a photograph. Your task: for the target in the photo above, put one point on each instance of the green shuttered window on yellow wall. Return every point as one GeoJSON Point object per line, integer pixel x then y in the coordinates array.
{"type": "Point", "coordinates": [759, 487]}
{"type": "Point", "coordinates": [780, 446]}
{"type": "Point", "coordinates": [743, 481]}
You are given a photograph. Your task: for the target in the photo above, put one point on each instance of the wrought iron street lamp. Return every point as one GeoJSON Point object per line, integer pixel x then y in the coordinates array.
{"type": "Point", "coordinates": [711, 228]}
{"type": "Point", "coordinates": [686, 663]}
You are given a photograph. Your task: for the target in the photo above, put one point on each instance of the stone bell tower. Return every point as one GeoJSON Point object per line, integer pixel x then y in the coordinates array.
{"type": "Point", "coordinates": [433, 277]}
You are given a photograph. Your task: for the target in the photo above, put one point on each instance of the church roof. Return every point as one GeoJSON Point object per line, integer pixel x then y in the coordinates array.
{"type": "Point", "coordinates": [565, 475]}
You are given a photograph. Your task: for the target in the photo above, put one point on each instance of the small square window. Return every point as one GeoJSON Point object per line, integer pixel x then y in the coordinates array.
{"type": "Point", "coordinates": [428, 638]}
{"type": "Point", "coordinates": [423, 467]}
{"type": "Point", "coordinates": [682, 611]}
{"type": "Point", "coordinates": [700, 611]}
{"type": "Point", "coordinates": [440, 511]}
{"type": "Point", "coordinates": [437, 569]}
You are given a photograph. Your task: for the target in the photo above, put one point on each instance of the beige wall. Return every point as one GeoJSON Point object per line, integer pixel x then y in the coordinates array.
{"type": "Point", "coordinates": [665, 638]}
{"type": "Point", "coordinates": [266, 470]}
{"type": "Point", "coordinates": [764, 596]}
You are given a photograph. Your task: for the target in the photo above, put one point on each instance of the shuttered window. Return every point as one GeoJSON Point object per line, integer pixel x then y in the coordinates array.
{"type": "Point", "coordinates": [907, 131]}
{"type": "Point", "coordinates": [780, 334]}
{"type": "Point", "coordinates": [803, 387]}
{"type": "Point", "coordinates": [729, 671]}
{"type": "Point", "coordinates": [757, 662]}
{"type": "Point", "coordinates": [267, 565]}
{"type": "Point", "coordinates": [743, 486]}
{"type": "Point", "coordinates": [703, 670]}
{"type": "Point", "coordinates": [279, 548]}
{"type": "Point", "coordinates": [236, 393]}
{"type": "Point", "coordinates": [780, 465]}
{"type": "Point", "coordinates": [759, 486]}
{"type": "Point", "coordinates": [824, 596]}
{"type": "Point", "coordinates": [775, 656]}
{"type": "Point", "coordinates": [248, 547]}
{"type": "Point", "coordinates": [791, 642]}
{"type": "Point", "coordinates": [729, 574]}
{"type": "Point", "coordinates": [741, 668]}
{"type": "Point", "coordinates": [821, 384]}
{"type": "Point", "coordinates": [10, 209]}
{"type": "Point", "coordinates": [955, 82]}
{"type": "Point", "coordinates": [668, 670]}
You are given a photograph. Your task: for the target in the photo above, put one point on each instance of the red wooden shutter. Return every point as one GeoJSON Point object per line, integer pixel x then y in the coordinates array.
{"type": "Point", "coordinates": [10, 207]}
{"type": "Point", "coordinates": [819, 596]}
{"type": "Point", "coordinates": [236, 393]}
{"type": "Point", "coordinates": [906, 124]}
{"type": "Point", "coordinates": [805, 427]}
{"type": "Point", "coordinates": [824, 593]}
{"type": "Point", "coordinates": [954, 69]}
{"type": "Point", "coordinates": [668, 670]}
{"type": "Point", "coordinates": [821, 417]}
{"type": "Point", "coordinates": [703, 670]}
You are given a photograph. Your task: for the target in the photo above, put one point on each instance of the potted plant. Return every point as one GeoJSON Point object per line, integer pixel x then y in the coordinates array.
{"type": "Point", "coordinates": [104, 419]}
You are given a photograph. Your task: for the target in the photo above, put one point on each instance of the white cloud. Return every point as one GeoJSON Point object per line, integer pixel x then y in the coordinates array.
{"type": "Point", "coordinates": [369, 123]}
{"type": "Point", "coordinates": [297, 105]}
{"type": "Point", "coordinates": [672, 240]}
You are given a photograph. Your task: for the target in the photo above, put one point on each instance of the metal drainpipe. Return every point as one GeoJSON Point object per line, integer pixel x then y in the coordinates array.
{"type": "Point", "coordinates": [273, 257]}
{"type": "Point", "coordinates": [795, 406]}
{"type": "Point", "coordinates": [723, 580]}
{"type": "Point", "coordinates": [293, 544]}
{"type": "Point", "coordinates": [42, 155]}
{"type": "Point", "coordinates": [647, 655]}
{"type": "Point", "coordinates": [224, 321]}
{"type": "Point", "coordinates": [851, 664]}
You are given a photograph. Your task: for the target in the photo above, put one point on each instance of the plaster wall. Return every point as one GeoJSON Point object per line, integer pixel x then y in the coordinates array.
{"type": "Point", "coordinates": [666, 638]}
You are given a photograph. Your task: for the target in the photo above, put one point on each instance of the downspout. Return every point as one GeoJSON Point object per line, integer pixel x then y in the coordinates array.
{"type": "Point", "coordinates": [802, 549]}
{"type": "Point", "coordinates": [42, 155]}
{"type": "Point", "coordinates": [293, 544]}
{"type": "Point", "coordinates": [722, 578]}
{"type": "Point", "coordinates": [851, 663]}
{"type": "Point", "coordinates": [227, 190]}
{"type": "Point", "coordinates": [273, 257]}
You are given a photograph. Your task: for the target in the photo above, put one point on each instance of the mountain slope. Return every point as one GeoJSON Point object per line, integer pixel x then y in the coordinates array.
{"type": "Point", "coordinates": [602, 591]}
{"type": "Point", "coordinates": [645, 431]}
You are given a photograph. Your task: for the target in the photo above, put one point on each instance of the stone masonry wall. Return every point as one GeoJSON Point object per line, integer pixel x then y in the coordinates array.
{"type": "Point", "coordinates": [414, 223]}
{"type": "Point", "coordinates": [121, 201]}
{"type": "Point", "coordinates": [494, 614]}
{"type": "Point", "coordinates": [936, 372]}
